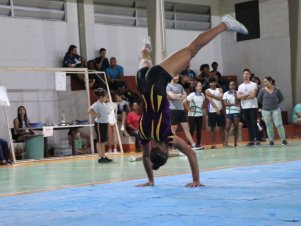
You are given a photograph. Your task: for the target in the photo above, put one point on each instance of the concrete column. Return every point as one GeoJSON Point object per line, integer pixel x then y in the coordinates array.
{"type": "Point", "coordinates": [295, 40]}
{"type": "Point", "coordinates": [297, 94]}
{"type": "Point", "coordinates": [156, 29]}
{"type": "Point", "coordinates": [85, 10]}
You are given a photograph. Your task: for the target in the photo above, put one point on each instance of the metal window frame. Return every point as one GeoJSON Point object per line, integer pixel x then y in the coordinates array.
{"type": "Point", "coordinates": [179, 16]}
{"type": "Point", "coordinates": [35, 9]}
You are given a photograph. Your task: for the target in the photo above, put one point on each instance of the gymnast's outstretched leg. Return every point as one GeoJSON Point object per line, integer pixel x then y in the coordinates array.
{"type": "Point", "coordinates": [178, 61]}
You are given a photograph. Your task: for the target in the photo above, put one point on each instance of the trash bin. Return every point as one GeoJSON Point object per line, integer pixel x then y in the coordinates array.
{"type": "Point", "coordinates": [34, 147]}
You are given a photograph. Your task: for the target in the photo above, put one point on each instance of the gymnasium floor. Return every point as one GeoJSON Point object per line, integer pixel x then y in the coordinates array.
{"type": "Point", "coordinates": [244, 186]}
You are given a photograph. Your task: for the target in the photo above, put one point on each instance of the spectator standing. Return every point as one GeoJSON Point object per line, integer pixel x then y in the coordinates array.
{"type": "Point", "coordinates": [232, 113]}
{"type": "Point", "coordinates": [218, 76]}
{"type": "Point", "coordinates": [186, 82]}
{"type": "Point", "coordinates": [204, 76]}
{"type": "Point", "coordinates": [122, 109]}
{"type": "Point", "coordinates": [176, 95]}
{"type": "Point", "coordinates": [247, 92]}
{"type": "Point", "coordinates": [100, 112]}
{"type": "Point", "coordinates": [194, 104]}
{"type": "Point", "coordinates": [112, 133]}
{"type": "Point", "coordinates": [262, 130]}
{"type": "Point", "coordinates": [270, 97]}
{"type": "Point", "coordinates": [214, 66]}
{"type": "Point", "coordinates": [215, 111]}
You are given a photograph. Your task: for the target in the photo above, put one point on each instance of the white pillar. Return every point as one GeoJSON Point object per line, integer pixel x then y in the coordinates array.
{"type": "Point", "coordinates": [297, 82]}
{"type": "Point", "coordinates": [295, 40]}
{"type": "Point", "coordinates": [86, 28]}
{"type": "Point", "coordinates": [156, 29]}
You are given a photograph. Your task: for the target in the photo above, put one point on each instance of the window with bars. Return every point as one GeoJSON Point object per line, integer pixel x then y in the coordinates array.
{"type": "Point", "coordinates": [37, 9]}
{"type": "Point", "coordinates": [180, 16]}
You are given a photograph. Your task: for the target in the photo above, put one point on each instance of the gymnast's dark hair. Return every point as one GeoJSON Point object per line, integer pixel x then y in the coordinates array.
{"type": "Point", "coordinates": [158, 158]}
{"type": "Point", "coordinates": [270, 79]}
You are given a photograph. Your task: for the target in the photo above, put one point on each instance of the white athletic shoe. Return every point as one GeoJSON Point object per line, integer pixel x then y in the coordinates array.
{"type": "Point", "coordinates": [147, 39]}
{"type": "Point", "coordinates": [147, 42]}
{"type": "Point", "coordinates": [132, 158]}
{"type": "Point", "coordinates": [233, 25]}
{"type": "Point", "coordinates": [115, 151]}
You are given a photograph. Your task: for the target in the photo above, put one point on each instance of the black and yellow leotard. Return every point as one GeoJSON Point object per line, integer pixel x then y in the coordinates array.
{"type": "Point", "coordinates": [155, 119]}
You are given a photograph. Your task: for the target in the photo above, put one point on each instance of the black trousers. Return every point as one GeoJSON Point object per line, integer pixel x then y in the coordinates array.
{"type": "Point", "coordinates": [195, 123]}
{"type": "Point", "coordinates": [250, 117]}
{"type": "Point", "coordinates": [4, 151]}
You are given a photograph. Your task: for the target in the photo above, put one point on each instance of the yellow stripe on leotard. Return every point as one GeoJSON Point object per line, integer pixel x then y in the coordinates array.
{"type": "Point", "coordinates": [141, 128]}
{"type": "Point", "coordinates": [152, 97]}
{"type": "Point", "coordinates": [158, 128]}
{"type": "Point", "coordinates": [145, 103]}
{"type": "Point", "coordinates": [153, 130]}
{"type": "Point", "coordinates": [159, 101]}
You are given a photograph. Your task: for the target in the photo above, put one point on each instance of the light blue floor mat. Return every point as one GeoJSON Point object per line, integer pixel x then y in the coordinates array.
{"type": "Point", "coordinates": [256, 195]}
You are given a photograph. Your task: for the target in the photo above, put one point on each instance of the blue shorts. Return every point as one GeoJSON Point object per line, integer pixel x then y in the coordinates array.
{"type": "Point", "coordinates": [232, 116]}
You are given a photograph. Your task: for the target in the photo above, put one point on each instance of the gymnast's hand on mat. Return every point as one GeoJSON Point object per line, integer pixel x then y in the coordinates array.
{"type": "Point", "coordinates": [148, 184]}
{"type": "Point", "coordinates": [194, 185]}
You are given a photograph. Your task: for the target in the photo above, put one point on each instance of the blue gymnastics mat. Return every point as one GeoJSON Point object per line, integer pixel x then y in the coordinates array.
{"type": "Point", "coordinates": [255, 195]}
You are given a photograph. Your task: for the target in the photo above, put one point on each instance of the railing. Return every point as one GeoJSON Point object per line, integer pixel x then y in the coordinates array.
{"type": "Point", "coordinates": [40, 69]}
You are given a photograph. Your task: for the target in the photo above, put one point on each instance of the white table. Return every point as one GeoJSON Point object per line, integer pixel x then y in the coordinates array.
{"type": "Point", "coordinates": [66, 127]}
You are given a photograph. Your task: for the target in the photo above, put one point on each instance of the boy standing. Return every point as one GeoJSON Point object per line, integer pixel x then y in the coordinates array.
{"type": "Point", "coordinates": [99, 110]}
{"type": "Point", "coordinates": [215, 110]}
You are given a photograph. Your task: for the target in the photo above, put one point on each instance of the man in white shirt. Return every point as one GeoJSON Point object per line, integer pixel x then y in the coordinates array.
{"type": "Point", "coordinates": [247, 92]}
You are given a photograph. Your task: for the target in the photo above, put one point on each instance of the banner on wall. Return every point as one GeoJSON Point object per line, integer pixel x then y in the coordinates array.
{"type": "Point", "coordinates": [60, 81]}
{"type": "Point", "coordinates": [4, 101]}
{"type": "Point", "coordinates": [47, 131]}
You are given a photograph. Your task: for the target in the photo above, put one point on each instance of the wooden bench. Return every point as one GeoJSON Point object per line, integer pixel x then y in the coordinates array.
{"type": "Point", "coordinates": [292, 131]}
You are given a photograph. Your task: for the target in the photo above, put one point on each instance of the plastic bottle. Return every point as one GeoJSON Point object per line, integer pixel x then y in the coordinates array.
{"type": "Point", "coordinates": [63, 118]}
